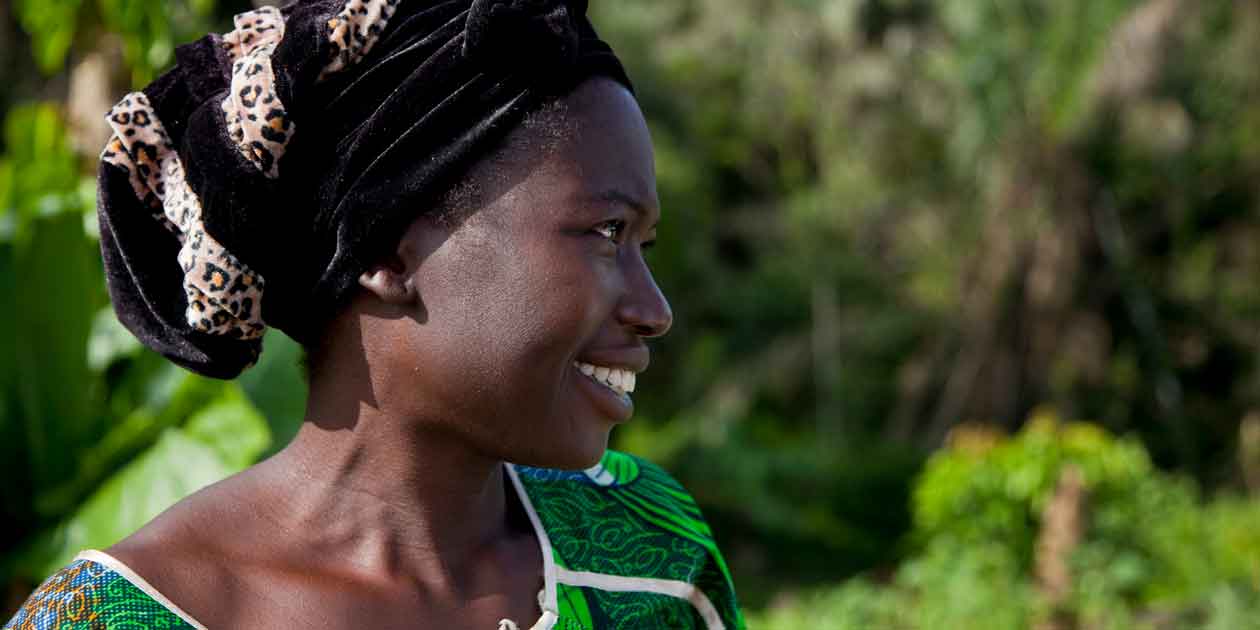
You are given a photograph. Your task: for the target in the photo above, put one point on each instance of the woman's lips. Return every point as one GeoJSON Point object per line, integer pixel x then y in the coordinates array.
{"type": "Point", "coordinates": [619, 379]}
{"type": "Point", "coordinates": [618, 407]}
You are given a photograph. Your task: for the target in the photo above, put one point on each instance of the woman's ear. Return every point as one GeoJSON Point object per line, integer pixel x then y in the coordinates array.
{"type": "Point", "coordinates": [389, 281]}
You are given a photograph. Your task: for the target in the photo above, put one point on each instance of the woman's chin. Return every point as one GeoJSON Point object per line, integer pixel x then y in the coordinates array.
{"type": "Point", "coordinates": [573, 453]}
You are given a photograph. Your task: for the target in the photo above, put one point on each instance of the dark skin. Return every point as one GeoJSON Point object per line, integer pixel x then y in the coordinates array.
{"type": "Point", "coordinates": [391, 509]}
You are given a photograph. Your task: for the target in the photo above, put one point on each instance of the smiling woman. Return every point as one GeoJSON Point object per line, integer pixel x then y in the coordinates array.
{"type": "Point", "coordinates": [448, 204]}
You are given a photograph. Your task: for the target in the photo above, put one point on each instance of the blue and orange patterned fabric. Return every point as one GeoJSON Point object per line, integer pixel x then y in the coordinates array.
{"type": "Point", "coordinates": [629, 549]}
{"type": "Point", "coordinates": [89, 596]}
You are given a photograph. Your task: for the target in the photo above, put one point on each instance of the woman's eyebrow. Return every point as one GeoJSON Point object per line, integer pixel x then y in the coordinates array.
{"type": "Point", "coordinates": [613, 195]}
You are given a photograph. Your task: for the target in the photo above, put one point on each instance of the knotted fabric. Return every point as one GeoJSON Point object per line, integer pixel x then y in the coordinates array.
{"type": "Point", "coordinates": [252, 184]}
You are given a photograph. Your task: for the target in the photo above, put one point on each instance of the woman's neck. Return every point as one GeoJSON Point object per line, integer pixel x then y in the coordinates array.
{"type": "Point", "coordinates": [386, 500]}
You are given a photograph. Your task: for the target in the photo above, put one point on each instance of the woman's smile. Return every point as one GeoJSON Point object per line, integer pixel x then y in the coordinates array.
{"type": "Point", "coordinates": [608, 398]}
{"type": "Point", "coordinates": [620, 380]}
{"type": "Point", "coordinates": [608, 376]}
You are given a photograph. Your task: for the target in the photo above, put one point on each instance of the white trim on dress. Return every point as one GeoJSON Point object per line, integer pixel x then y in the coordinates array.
{"type": "Point", "coordinates": [116, 565]}
{"type": "Point", "coordinates": [673, 588]}
{"type": "Point", "coordinates": [548, 600]}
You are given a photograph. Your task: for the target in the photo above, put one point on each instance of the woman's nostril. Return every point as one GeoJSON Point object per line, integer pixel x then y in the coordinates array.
{"type": "Point", "coordinates": [650, 319]}
{"type": "Point", "coordinates": [647, 331]}
{"type": "Point", "coordinates": [654, 326]}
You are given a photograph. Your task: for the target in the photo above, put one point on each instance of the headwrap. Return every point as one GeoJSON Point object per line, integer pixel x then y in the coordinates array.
{"type": "Point", "coordinates": [253, 183]}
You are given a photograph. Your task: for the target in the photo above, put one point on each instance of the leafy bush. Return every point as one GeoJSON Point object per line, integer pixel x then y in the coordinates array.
{"type": "Point", "coordinates": [1152, 554]}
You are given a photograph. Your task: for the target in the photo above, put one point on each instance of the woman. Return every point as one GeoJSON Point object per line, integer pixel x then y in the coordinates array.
{"type": "Point", "coordinates": [447, 204]}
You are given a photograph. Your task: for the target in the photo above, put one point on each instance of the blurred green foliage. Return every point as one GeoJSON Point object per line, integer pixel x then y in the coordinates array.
{"type": "Point", "coordinates": [146, 30]}
{"type": "Point", "coordinates": [882, 218]}
{"type": "Point", "coordinates": [1153, 555]}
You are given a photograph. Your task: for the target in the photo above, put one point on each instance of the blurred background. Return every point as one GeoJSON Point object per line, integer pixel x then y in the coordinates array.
{"type": "Point", "coordinates": [967, 299]}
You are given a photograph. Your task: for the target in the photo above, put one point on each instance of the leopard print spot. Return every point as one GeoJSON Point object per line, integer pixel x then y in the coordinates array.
{"type": "Point", "coordinates": [215, 276]}
{"type": "Point", "coordinates": [353, 32]}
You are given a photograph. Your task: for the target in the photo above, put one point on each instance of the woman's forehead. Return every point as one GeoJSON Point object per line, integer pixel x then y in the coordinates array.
{"type": "Point", "coordinates": [601, 158]}
{"type": "Point", "coordinates": [608, 153]}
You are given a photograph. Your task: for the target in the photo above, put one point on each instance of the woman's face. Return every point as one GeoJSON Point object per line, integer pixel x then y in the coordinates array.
{"type": "Point", "coordinates": [549, 273]}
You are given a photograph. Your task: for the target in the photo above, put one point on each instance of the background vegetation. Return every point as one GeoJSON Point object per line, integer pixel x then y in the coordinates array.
{"type": "Point", "coordinates": [905, 242]}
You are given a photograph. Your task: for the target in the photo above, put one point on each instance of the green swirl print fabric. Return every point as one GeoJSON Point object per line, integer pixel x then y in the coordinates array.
{"type": "Point", "coordinates": [620, 529]}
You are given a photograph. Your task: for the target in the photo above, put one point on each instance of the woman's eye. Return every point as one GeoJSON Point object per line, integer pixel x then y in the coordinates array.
{"type": "Point", "coordinates": [611, 229]}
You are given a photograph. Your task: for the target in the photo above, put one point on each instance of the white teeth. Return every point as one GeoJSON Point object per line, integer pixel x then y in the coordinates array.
{"type": "Point", "coordinates": [616, 379]}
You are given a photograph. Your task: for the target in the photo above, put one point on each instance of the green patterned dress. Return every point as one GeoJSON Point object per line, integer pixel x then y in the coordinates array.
{"type": "Point", "coordinates": [624, 546]}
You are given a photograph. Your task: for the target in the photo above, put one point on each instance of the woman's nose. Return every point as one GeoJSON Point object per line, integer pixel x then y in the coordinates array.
{"type": "Point", "coordinates": [644, 308]}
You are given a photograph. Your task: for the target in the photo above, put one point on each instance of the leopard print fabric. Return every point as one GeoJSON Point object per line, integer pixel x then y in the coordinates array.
{"type": "Point", "coordinates": [256, 119]}
{"type": "Point", "coordinates": [355, 30]}
{"type": "Point", "coordinates": [224, 295]}
{"type": "Point", "coordinates": [139, 167]}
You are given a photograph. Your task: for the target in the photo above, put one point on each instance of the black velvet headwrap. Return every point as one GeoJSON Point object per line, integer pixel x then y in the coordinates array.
{"type": "Point", "coordinates": [252, 184]}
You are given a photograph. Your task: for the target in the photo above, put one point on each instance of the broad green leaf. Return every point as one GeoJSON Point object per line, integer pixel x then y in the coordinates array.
{"type": "Point", "coordinates": [167, 397]}
{"type": "Point", "coordinates": [223, 437]}
{"type": "Point", "coordinates": [176, 466]}
{"type": "Point", "coordinates": [58, 291]}
{"type": "Point", "coordinates": [110, 340]}
{"type": "Point", "coordinates": [232, 427]}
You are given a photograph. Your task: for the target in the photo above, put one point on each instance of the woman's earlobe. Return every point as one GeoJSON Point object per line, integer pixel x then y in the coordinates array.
{"type": "Point", "coordinates": [390, 285]}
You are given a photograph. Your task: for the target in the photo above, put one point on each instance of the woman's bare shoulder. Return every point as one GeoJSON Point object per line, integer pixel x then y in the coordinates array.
{"type": "Point", "coordinates": [197, 554]}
